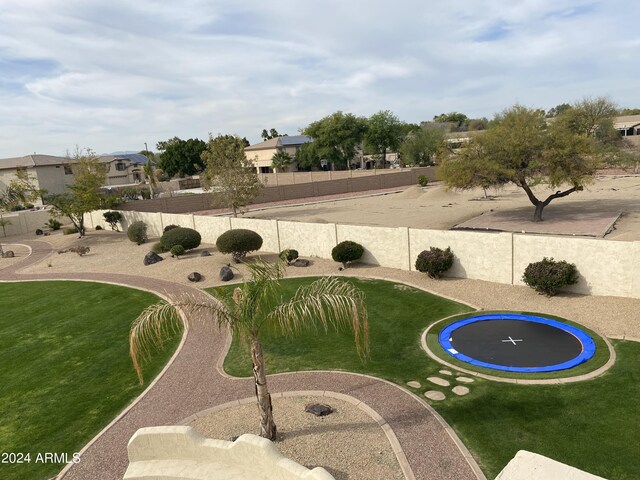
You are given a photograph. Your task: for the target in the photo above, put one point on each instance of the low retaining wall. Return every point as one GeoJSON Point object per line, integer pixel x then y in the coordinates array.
{"type": "Point", "coordinates": [24, 221]}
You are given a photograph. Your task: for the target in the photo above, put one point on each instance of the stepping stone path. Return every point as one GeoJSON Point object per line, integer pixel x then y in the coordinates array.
{"type": "Point", "coordinates": [445, 372]}
{"type": "Point", "coordinates": [460, 390]}
{"type": "Point", "coordinates": [439, 381]}
{"type": "Point", "coordinates": [414, 384]}
{"type": "Point", "coordinates": [434, 395]}
{"type": "Point", "coordinates": [465, 379]}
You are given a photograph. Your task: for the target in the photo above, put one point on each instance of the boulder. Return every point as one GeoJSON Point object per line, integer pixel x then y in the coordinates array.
{"type": "Point", "coordinates": [151, 258]}
{"type": "Point", "coordinates": [39, 231]}
{"type": "Point", "coordinates": [300, 262]}
{"type": "Point", "coordinates": [8, 254]}
{"type": "Point", "coordinates": [226, 274]}
{"type": "Point", "coordinates": [194, 277]}
{"type": "Point", "coordinates": [205, 253]}
{"type": "Point", "coordinates": [318, 409]}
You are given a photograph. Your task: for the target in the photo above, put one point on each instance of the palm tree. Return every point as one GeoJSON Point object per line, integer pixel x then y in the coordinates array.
{"type": "Point", "coordinates": [256, 305]}
{"type": "Point", "coordinates": [281, 160]}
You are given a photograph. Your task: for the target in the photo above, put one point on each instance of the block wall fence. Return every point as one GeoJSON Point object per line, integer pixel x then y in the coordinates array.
{"type": "Point", "coordinates": [606, 267]}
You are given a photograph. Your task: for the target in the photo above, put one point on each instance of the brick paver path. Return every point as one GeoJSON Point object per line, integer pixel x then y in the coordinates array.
{"type": "Point", "coordinates": [192, 384]}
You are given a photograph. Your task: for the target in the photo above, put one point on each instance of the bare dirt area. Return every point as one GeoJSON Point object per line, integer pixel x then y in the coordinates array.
{"type": "Point", "coordinates": [434, 207]}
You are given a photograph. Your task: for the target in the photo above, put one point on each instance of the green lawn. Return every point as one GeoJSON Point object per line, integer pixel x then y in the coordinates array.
{"type": "Point", "coordinates": [590, 425]}
{"type": "Point", "coordinates": [66, 371]}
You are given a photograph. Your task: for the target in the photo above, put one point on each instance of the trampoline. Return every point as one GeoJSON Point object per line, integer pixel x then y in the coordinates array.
{"type": "Point", "coordinates": [517, 343]}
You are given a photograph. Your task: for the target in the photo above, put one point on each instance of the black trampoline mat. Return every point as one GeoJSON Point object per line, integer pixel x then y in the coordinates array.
{"type": "Point", "coordinates": [515, 343]}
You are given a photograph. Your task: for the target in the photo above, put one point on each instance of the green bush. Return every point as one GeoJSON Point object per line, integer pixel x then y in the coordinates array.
{"type": "Point", "coordinates": [98, 227]}
{"type": "Point", "coordinates": [112, 218]}
{"type": "Point", "coordinates": [347, 252]}
{"type": "Point", "coordinates": [177, 250]}
{"type": "Point", "coordinates": [53, 224]}
{"type": "Point", "coordinates": [69, 230]}
{"type": "Point", "coordinates": [435, 261]}
{"type": "Point", "coordinates": [145, 193]}
{"type": "Point", "coordinates": [239, 242]}
{"type": "Point", "coordinates": [169, 227]}
{"type": "Point", "coordinates": [188, 238]}
{"type": "Point", "coordinates": [158, 248]}
{"type": "Point", "coordinates": [17, 208]}
{"type": "Point", "coordinates": [288, 255]}
{"type": "Point", "coordinates": [137, 232]}
{"type": "Point", "coordinates": [423, 180]}
{"type": "Point", "coordinates": [547, 276]}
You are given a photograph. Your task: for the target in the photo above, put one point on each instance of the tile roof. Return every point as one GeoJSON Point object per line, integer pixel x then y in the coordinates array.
{"type": "Point", "coordinates": [276, 142]}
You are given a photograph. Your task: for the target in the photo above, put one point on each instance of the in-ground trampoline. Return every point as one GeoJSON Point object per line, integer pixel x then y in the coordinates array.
{"type": "Point", "coordinates": [517, 343]}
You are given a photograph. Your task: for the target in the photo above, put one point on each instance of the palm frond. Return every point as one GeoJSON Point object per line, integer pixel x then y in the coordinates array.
{"type": "Point", "coordinates": [328, 302]}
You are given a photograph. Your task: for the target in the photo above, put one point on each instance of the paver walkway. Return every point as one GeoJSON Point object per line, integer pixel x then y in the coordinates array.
{"type": "Point", "coordinates": [192, 383]}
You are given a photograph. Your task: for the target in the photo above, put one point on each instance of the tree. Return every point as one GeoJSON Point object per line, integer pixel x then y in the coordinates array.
{"type": "Point", "coordinates": [281, 160]}
{"type": "Point", "coordinates": [257, 305]}
{"type": "Point", "coordinates": [150, 171]}
{"type": "Point", "coordinates": [384, 133]}
{"type": "Point", "coordinates": [336, 137]}
{"type": "Point", "coordinates": [229, 174]}
{"type": "Point", "coordinates": [181, 157]}
{"type": "Point", "coordinates": [84, 194]}
{"type": "Point", "coordinates": [630, 111]}
{"type": "Point", "coordinates": [522, 148]}
{"type": "Point", "coordinates": [268, 135]}
{"type": "Point", "coordinates": [558, 110]}
{"type": "Point", "coordinates": [421, 146]}
{"type": "Point", "coordinates": [458, 121]}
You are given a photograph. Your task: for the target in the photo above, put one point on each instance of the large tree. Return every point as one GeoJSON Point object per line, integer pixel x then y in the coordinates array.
{"type": "Point", "coordinates": [269, 134]}
{"type": "Point", "coordinates": [181, 157]}
{"type": "Point", "coordinates": [257, 305]}
{"type": "Point", "coordinates": [523, 148]}
{"type": "Point", "coordinates": [228, 173]}
{"type": "Point", "coordinates": [84, 194]}
{"type": "Point", "coordinates": [384, 133]}
{"type": "Point", "coordinates": [281, 160]}
{"type": "Point", "coordinates": [336, 138]}
{"type": "Point", "coordinates": [421, 146]}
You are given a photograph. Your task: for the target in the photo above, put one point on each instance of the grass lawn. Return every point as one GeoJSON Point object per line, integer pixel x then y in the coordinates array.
{"type": "Point", "coordinates": [66, 371]}
{"type": "Point", "coordinates": [590, 425]}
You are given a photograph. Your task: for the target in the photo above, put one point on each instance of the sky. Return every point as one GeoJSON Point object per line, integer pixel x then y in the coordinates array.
{"type": "Point", "coordinates": [112, 75]}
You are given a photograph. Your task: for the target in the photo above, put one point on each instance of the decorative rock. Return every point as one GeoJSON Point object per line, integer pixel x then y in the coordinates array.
{"type": "Point", "coordinates": [194, 277]}
{"type": "Point", "coordinates": [318, 409]}
{"type": "Point", "coordinates": [465, 379]}
{"type": "Point", "coordinates": [8, 254]}
{"type": "Point", "coordinates": [439, 381]}
{"type": "Point", "coordinates": [413, 384]}
{"type": "Point", "coordinates": [226, 274]}
{"type": "Point", "coordinates": [446, 372]}
{"type": "Point", "coordinates": [151, 258]}
{"type": "Point", "coordinates": [460, 390]}
{"type": "Point", "coordinates": [39, 231]}
{"type": "Point", "coordinates": [205, 253]}
{"type": "Point", "coordinates": [434, 395]}
{"type": "Point", "coordinates": [300, 262]}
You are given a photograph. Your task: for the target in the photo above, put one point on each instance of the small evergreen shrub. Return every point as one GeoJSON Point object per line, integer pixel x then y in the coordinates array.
{"type": "Point", "coordinates": [423, 180]}
{"type": "Point", "coordinates": [137, 232]}
{"type": "Point", "coordinates": [69, 230]}
{"type": "Point", "coordinates": [53, 224]}
{"type": "Point", "coordinates": [347, 252]}
{"type": "Point", "coordinates": [288, 255]}
{"type": "Point", "coordinates": [177, 250]}
{"type": "Point", "coordinates": [112, 218]}
{"type": "Point", "coordinates": [29, 206]}
{"type": "Point", "coordinates": [169, 227]}
{"type": "Point", "coordinates": [17, 208]}
{"type": "Point", "coordinates": [158, 248]}
{"type": "Point", "coordinates": [435, 261]}
{"type": "Point", "coordinates": [188, 238]}
{"type": "Point", "coordinates": [239, 242]}
{"type": "Point", "coordinates": [547, 275]}
{"type": "Point", "coordinates": [98, 227]}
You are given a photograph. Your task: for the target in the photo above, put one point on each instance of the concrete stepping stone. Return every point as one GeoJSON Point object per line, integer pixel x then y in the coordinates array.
{"type": "Point", "coordinates": [434, 395]}
{"type": "Point", "coordinates": [446, 372]}
{"type": "Point", "coordinates": [439, 381]}
{"type": "Point", "coordinates": [460, 390]}
{"type": "Point", "coordinates": [465, 379]}
{"type": "Point", "coordinates": [414, 384]}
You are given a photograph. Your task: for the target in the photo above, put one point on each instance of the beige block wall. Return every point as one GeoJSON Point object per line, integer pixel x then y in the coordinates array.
{"type": "Point", "coordinates": [211, 228]}
{"type": "Point", "coordinates": [309, 239]}
{"type": "Point", "coordinates": [384, 246]}
{"type": "Point", "coordinates": [268, 230]}
{"type": "Point", "coordinates": [481, 256]}
{"type": "Point", "coordinates": [25, 221]}
{"type": "Point", "coordinates": [606, 267]}
{"type": "Point", "coordinates": [182, 220]}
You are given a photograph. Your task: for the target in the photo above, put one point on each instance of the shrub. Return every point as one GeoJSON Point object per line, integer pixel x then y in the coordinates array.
{"type": "Point", "coordinates": [98, 227]}
{"type": "Point", "coordinates": [29, 206]}
{"type": "Point", "coordinates": [239, 242]}
{"type": "Point", "coordinates": [169, 227]}
{"type": "Point", "coordinates": [17, 208]}
{"type": "Point", "coordinates": [188, 238]}
{"type": "Point", "coordinates": [435, 261]}
{"type": "Point", "coordinates": [423, 180]}
{"type": "Point", "coordinates": [346, 252]}
{"type": "Point", "coordinates": [137, 232]}
{"type": "Point", "coordinates": [112, 218]}
{"type": "Point", "coordinates": [69, 230]}
{"type": "Point", "coordinates": [158, 248]}
{"type": "Point", "coordinates": [547, 276]}
{"type": "Point", "coordinates": [145, 193]}
{"type": "Point", "coordinates": [288, 255]}
{"type": "Point", "coordinates": [53, 224]}
{"type": "Point", "coordinates": [177, 250]}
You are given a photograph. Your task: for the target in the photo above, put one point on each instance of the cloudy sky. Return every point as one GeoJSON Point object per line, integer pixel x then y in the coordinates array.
{"type": "Point", "coordinates": [111, 75]}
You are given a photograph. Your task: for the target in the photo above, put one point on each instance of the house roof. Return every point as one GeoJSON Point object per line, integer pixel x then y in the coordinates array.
{"type": "Point", "coordinates": [37, 160]}
{"type": "Point", "coordinates": [293, 140]}
{"type": "Point", "coordinates": [627, 121]}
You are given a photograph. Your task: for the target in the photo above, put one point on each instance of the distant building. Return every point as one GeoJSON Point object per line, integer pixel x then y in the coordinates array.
{"type": "Point", "coordinates": [262, 153]}
{"type": "Point", "coordinates": [629, 127]}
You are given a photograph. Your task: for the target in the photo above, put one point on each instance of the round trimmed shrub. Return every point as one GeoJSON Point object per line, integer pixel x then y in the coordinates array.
{"type": "Point", "coordinates": [347, 252]}
{"type": "Point", "coordinates": [435, 261]}
{"type": "Point", "coordinates": [177, 250]}
{"type": "Point", "coordinates": [137, 232]}
{"type": "Point", "coordinates": [187, 237]}
{"type": "Point", "coordinates": [239, 242]}
{"type": "Point", "coordinates": [98, 227]}
{"type": "Point", "coordinates": [547, 275]}
{"type": "Point", "coordinates": [423, 180]}
{"type": "Point", "coordinates": [288, 255]}
{"type": "Point", "coordinates": [169, 227]}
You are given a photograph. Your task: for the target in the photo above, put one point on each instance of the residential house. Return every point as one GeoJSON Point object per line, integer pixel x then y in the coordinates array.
{"type": "Point", "coordinates": [629, 127]}
{"type": "Point", "coordinates": [262, 153]}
